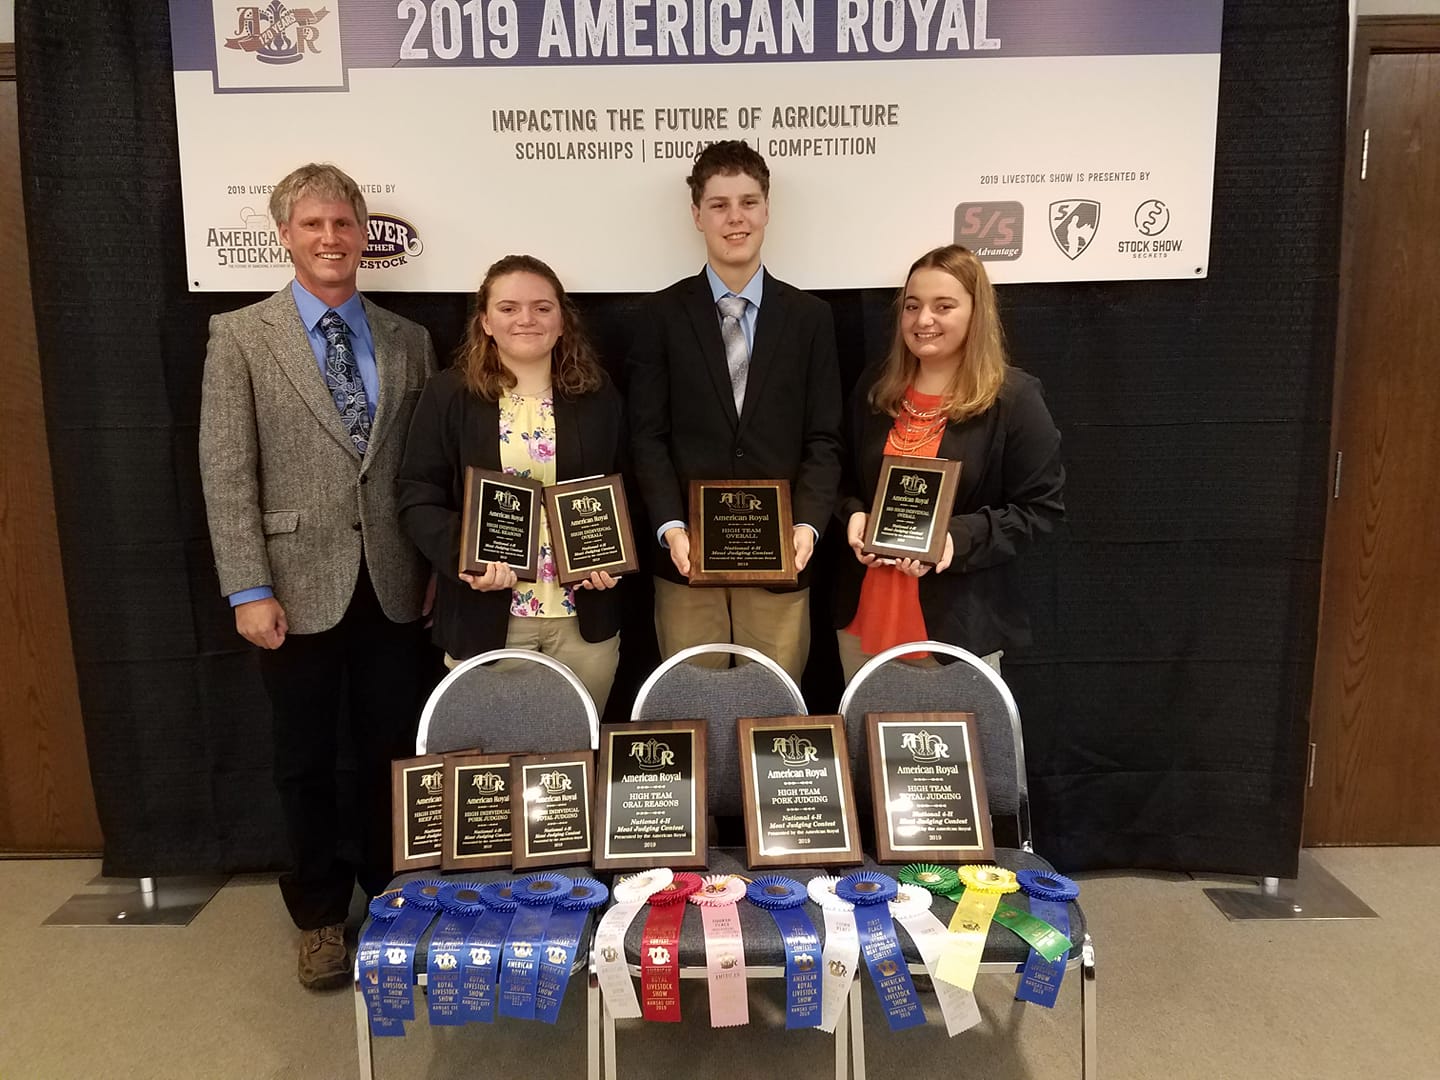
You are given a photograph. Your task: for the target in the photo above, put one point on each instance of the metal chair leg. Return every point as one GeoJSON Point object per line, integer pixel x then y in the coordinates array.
{"type": "Point", "coordinates": [1089, 1053]}
{"type": "Point", "coordinates": [362, 1032]}
{"type": "Point", "coordinates": [842, 1048]}
{"type": "Point", "coordinates": [857, 1031]}
{"type": "Point", "coordinates": [592, 1025]}
{"type": "Point", "coordinates": [607, 1041]}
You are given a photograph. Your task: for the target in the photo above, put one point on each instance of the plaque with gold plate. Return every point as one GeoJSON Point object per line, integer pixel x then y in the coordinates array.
{"type": "Point", "coordinates": [741, 533]}
{"type": "Point", "coordinates": [551, 797]}
{"type": "Point", "coordinates": [910, 517]}
{"type": "Point", "coordinates": [650, 798]}
{"type": "Point", "coordinates": [477, 811]}
{"type": "Point", "coordinates": [797, 795]}
{"type": "Point", "coordinates": [927, 787]}
{"type": "Point", "coordinates": [590, 528]}
{"type": "Point", "coordinates": [417, 796]}
{"type": "Point", "coordinates": [500, 522]}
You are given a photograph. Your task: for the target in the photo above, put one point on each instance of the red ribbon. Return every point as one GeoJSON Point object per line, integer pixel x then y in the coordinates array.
{"type": "Point", "coordinates": [660, 950]}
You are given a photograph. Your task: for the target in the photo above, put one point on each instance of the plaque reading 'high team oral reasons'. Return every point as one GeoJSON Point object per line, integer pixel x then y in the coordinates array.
{"type": "Point", "coordinates": [550, 809]}
{"type": "Point", "coordinates": [500, 522]}
{"type": "Point", "coordinates": [590, 528]}
{"type": "Point", "coordinates": [798, 800]}
{"type": "Point", "coordinates": [651, 796]}
{"type": "Point", "coordinates": [911, 514]}
{"type": "Point", "coordinates": [741, 533]}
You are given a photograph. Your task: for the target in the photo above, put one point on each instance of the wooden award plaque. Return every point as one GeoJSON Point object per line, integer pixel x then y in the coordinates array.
{"type": "Point", "coordinates": [650, 798]}
{"type": "Point", "coordinates": [500, 522]}
{"type": "Point", "coordinates": [741, 533]}
{"type": "Point", "coordinates": [910, 517]}
{"type": "Point", "coordinates": [590, 528]}
{"type": "Point", "coordinates": [477, 811]}
{"type": "Point", "coordinates": [550, 823]}
{"type": "Point", "coordinates": [416, 812]}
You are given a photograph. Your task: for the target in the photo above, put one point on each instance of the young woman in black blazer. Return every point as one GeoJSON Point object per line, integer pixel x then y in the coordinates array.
{"type": "Point", "coordinates": [945, 390]}
{"type": "Point", "coordinates": [528, 395]}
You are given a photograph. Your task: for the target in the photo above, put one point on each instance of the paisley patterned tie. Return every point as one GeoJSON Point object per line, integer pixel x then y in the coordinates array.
{"type": "Point", "coordinates": [342, 376]}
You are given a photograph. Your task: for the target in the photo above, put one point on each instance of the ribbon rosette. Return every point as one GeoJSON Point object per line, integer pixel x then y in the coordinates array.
{"type": "Point", "coordinates": [610, 969]}
{"type": "Point", "coordinates": [842, 950]}
{"type": "Point", "coordinates": [520, 961]}
{"type": "Point", "coordinates": [911, 908]}
{"type": "Point", "coordinates": [871, 894]}
{"type": "Point", "coordinates": [384, 909]}
{"type": "Point", "coordinates": [785, 898]}
{"type": "Point", "coordinates": [459, 905]}
{"type": "Point", "coordinates": [418, 905]}
{"type": "Point", "coordinates": [562, 941]}
{"type": "Point", "coordinates": [484, 944]}
{"type": "Point", "coordinates": [717, 898]}
{"type": "Point", "coordinates": [1050, 895]}
{"type": "Point", "coordinates": [660, 949]}
{"type": "Point", "coordinates": [974, 908]}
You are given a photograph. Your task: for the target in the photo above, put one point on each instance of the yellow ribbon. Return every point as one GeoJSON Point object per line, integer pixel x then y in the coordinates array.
{"type": "Point", "coordinates": [970, 925]}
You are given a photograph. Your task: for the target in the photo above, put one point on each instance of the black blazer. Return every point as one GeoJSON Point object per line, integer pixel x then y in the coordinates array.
{"type": "Point", "coordinates": [1010, 495]}
{"type": "Point", "coordinates": [682, 412]}
{"type": "Point", "coordinates": [452, 428]}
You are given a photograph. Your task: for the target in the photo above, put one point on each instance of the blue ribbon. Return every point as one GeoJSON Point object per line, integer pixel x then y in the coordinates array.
{"type": "Point", "coordinates": [785, 898]}
{"type": "Point", "coordinates": [459, 905]}
{"type": "Point", "coordinates": [1050, 896]}
{"type": "Point", "coordinates": [397, 952]}
{"type": "Point", "coordinates": [480, 959]}
{"type": "Point", "coordinates": [562, 941]}
{"type": "Point", "coordinates": [871, 894]}
{"type": "Point", "coordinates": [383, 910]}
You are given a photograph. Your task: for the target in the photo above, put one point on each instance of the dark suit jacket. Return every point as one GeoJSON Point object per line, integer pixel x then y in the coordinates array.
{"type": "Point", "coordinates": [1010, 495]}
{"type": "Point", "coordinates": [291, 502]}
{"type": "Point", "coordinates": [682, 412]}
{"type": "Point", "coordinates": [453, 428]}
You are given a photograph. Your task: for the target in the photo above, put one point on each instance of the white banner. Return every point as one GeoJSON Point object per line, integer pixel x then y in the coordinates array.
{"type": "Point", "coordinates": [1060, 142]}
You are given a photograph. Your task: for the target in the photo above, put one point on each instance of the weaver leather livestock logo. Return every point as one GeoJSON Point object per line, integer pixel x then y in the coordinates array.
{"type": "Point", "coordinates": [275, 34]}
{"type": "Point", "coordinates": [652, 754]}
{"type": "Point", "coordinates": [994, 231]}
{"type": "Point", "coordinates": [390, 241]}
{"type": "Point", "coordinates": [1073, 224]}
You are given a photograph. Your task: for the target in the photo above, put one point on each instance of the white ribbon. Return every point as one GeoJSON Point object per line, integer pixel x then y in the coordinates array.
{"type": "Point", "coordinates": [911, 909]}
{"type": "Point", "coordinates": [842, 950]}
{"type": "Point", "coordinates": [611, 970]}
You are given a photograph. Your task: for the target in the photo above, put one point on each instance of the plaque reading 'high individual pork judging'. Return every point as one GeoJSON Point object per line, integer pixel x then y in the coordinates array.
{"type": "Point", "coordinates": [477, 811]}
{"type": "Point", "coordinates": [650, 801]}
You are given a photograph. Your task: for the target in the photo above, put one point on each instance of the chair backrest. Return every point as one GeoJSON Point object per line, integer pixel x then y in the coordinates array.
{"type": "Point", "coordinates": [887, 684]}
{"type": "Point", "coordinates": [678, 690]}
{"type": "Point", "coordinates": [509, 701]}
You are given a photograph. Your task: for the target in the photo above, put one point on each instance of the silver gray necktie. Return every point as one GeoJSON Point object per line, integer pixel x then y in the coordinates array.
{"type": "Point", "coordinates": [737, 349]}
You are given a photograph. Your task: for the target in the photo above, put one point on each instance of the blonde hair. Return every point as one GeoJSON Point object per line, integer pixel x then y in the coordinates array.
{"type": "Point", "coordinates": [321, 182]}
{"type": "Point", "coordinates": [977, 381]}
{"type": "Point", "coordinates": [574, 367]}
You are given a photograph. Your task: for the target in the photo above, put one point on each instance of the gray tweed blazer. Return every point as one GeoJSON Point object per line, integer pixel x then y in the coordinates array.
{"type": "Point", "coordinates": [289, 498]}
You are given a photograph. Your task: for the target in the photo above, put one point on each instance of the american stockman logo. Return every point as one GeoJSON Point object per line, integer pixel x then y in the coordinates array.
{"type": "Point", "coordinates": [1073, 224]}
{"type": "Point", "coordinates": [994, 231]}
{"type": "Point", "coordinates": [390, 241]}
{"type": "Point", "coordinates": [276, 34]}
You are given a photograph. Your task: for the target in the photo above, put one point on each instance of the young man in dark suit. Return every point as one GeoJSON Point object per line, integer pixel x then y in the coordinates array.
{"type": "Point", "coordinates": [733, 375]}
{"type": "Point", "coordinates": [307, 398]}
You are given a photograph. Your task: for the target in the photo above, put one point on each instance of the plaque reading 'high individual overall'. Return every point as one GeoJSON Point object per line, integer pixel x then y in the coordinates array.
{"type": "Point", "coordinates": [550, 809]}
{"type": "Point", "coordinates": [741, 533]}
{"type": "Point", "coordinates": [590, 528]}
{"type": "Point", "coordinates": [417, 787]}
{"type": "Point", "coordinates": [477, 811]}
{"type": "Point", "coordinates": [928, 788]}
{"type": "Point", "coordinates": [911, 513]}
{"type": "Point", "coordinates": [501, 522]}
{"type": "Point", "coordinates": [798, 800]}
{"type": "Point", "coordinates": [650, 801]}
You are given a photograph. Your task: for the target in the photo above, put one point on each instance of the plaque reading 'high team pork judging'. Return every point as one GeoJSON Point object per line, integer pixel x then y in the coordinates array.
{"type": "Point", "coordinates": [798, 799]}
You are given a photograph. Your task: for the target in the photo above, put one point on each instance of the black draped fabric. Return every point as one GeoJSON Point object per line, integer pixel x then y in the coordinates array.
{"type": "Point", "coordinates": [1165, 697]}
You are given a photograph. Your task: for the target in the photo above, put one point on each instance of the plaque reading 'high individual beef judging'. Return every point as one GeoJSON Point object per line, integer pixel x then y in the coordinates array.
{"type": "Point", "coordinates": [741, 533]}
{"type": "Point", "coordinates": [477, 811]}
{"type": "Point", "coordinates": [650, 800]}
{"type": "Point", "coordinates": [798, 800]}
{"type": "Point", "coordinates": [550, 809]}
{"type": "Point", "coordinates": [928, 788]}
{"type": "Point", "coordinates": [500, 522]}
{"type": "Point", "coordinates": [911, 514]}
{"type": "Point", "coordinates": [590, 528]}
{"type": "Point", "coordinates": [417, 811]}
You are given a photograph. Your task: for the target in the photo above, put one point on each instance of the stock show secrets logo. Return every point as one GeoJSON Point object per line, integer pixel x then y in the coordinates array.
{"type": "Point", "coordinates": [276, 34]}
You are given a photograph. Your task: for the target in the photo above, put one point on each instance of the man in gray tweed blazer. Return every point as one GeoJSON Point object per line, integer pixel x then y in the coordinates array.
{"type": "Point", "coordinates": [306, 405]}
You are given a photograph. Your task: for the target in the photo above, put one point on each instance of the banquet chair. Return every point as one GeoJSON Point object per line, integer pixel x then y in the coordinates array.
{"type": "Point", "coordinates": [967, 684]}
{"type": "Point", "coordinates": [504, 701]}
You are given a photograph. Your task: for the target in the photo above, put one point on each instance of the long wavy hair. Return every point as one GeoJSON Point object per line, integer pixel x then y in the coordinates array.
{"type": "Point", "coordinates": [977, 381]}
{"type": "Point", "coordinates": [574, 367]}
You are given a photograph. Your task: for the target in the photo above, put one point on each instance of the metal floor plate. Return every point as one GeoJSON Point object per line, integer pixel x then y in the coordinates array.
{"type": "Point", "coordinates": [172, 901]}
{"type": "Point", "coordinates": [1314, 894]}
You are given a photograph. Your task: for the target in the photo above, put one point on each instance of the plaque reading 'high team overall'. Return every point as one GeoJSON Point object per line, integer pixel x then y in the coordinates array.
{"type": "Point", "coordinates": [500, 522]}
{"type": "Point", "coordinates": [911, 514]}
{"type": "Point", "coordinates": [477, 811]}
{"type": "Point", "coordinates": [798, 800]}
{"type": "Point", "coordinates": [550, 809]}
{"type": "Point", "coordinates": [650, 801]}
{"type": "Point", "coordinates": [741, 533]}
{"type": "Point", "coordinates": [928, 788]}
{"type": "Point", "coordinates": [590, 528]}
{"type": "Point", "coordinates": [417, 809]}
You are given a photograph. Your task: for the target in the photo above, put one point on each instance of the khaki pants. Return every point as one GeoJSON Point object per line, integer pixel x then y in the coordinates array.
{"type": "Point", "coordinates": [559, 638]}
{"type": "Point", "coordinates": [853, 658]}
{"type": "Point", "coordinates": [776, 624]}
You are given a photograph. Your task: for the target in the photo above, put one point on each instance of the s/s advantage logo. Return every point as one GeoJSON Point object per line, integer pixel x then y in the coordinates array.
{"type": "Point", "coordinates": [994, 231]}
{"type": "Point", "coordinates": [390, 241]}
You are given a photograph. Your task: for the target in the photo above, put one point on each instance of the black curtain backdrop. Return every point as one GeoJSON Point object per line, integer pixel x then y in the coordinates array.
{"type": "Point", "coordinates": [1165, 698]}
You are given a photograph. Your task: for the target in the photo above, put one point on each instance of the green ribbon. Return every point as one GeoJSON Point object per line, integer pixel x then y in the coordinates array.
{"type": "Point", "coordinates": [1037, 933]}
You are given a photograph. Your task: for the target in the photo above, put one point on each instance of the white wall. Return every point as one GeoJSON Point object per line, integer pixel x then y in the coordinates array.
{"type": "Point", "coordinates": [7, 20]}
{"type": "Point", "coordinates": [1397, 7]}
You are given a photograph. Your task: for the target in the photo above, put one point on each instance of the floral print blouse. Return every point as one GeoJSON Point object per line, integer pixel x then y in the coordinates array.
{"type": "Point", "coordinates": [527, 448]}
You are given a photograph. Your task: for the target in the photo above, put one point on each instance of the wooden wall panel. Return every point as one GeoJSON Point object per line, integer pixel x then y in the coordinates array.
{"type": "Point", "coordinates": [46, 802]}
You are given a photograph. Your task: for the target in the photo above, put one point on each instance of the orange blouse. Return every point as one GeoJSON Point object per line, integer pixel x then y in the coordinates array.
{"type": "Point", "coordinates": [889, 613]}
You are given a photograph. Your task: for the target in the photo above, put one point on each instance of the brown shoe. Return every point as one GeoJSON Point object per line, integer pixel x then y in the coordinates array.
{"type": "Point", "coordinates": [324, 958]}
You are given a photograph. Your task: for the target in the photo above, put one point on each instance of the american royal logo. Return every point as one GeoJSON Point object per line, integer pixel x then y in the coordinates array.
{"type": "Point", "coordinates": [275, 34]}
{"type": "Point", "coordinates": [390, 241]}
